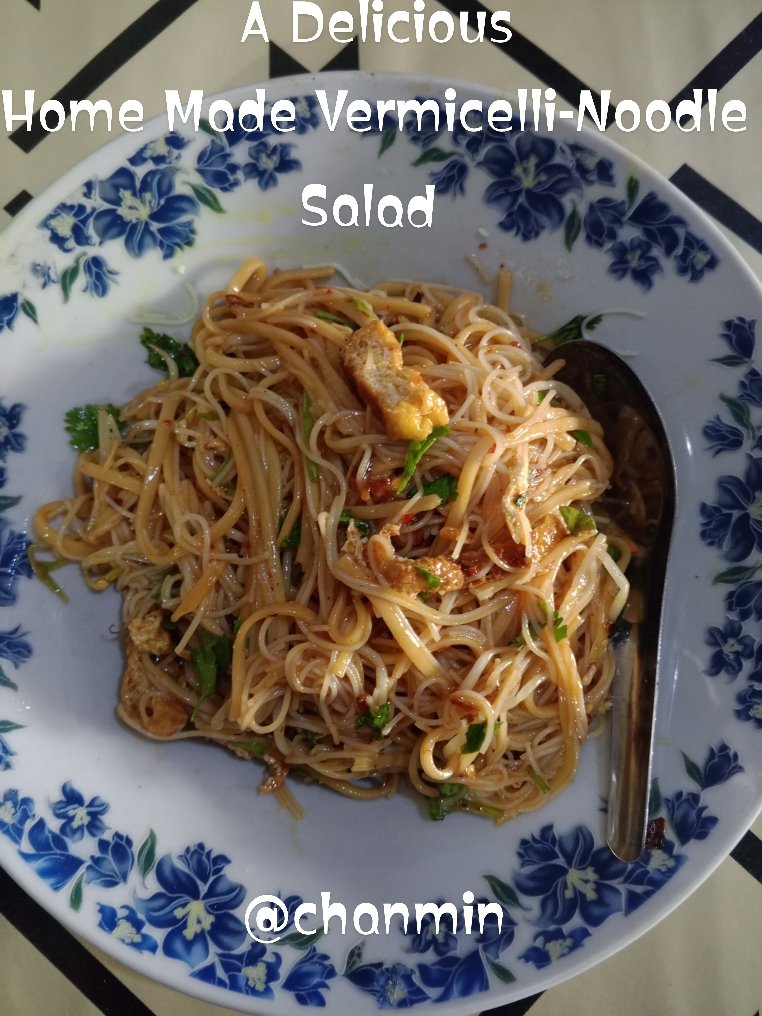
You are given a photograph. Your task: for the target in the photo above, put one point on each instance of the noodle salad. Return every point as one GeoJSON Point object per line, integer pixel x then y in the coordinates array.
{"type": "Point", "coordinates": [356, 538]}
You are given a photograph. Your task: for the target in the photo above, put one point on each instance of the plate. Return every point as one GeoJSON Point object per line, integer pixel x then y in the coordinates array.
{"type": "Point", "coordinates": [157, 852]}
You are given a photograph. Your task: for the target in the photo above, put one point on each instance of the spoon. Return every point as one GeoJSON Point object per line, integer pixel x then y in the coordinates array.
{"type": "Point", "coordinates": [641, 502]}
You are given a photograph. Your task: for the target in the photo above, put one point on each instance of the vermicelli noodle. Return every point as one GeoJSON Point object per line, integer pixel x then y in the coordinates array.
{"type": "Point", "coordinates": [358, 543]}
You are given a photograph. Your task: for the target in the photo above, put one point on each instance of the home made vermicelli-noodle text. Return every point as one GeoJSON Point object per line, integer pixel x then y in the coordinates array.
{"type": "Point", "coordinates": [358, 542]}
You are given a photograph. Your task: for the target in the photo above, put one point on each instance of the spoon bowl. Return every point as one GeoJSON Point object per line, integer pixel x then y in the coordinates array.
{"type": "Point", "coordinates": [641, 502]}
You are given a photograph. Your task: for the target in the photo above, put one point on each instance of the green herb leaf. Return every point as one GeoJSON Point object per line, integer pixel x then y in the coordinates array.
{"type": "Point", "coordinates": [560, 630]}
{"type": "Point", "coordinates": [363, 306]}
{"type": "Point", "coordinates": [539, 782]}
{"type": "Point", "coordinates": [583, 437]}
{"type": "Point", "coordinates": [294, 538]}
{"type": "Point", "coordinates": [337, 319]}
{"type": "Point", "coordinates": [211, 659]}
{"type": "Point", "coordinates": [180, 352]}
{"type": "Point", "coordinates": [577, 521]}
{"type": "Point", "coordinates": [255, 748]}
{"type": "Point", "coordinates": [450, 799]}
{"type": "Point", "coordinates": [81, 424]}
{"type": "Point", "coordinates": [541, 396]}
{"type": "Point", "coordinates": [363, 527]}
{"type": "Point", "coordinates": [42, 572]}
{"type": "Point", "coordinates": [432, 581]}
{"type": "Point", "coordinates": [613, 552]}
{"type": "Point", "coordinates": [376, 721]}
{"type": "Point", "coordinates": [569, 331]}
{"type": "Point", "coordinates": [444, 486]}
{"type": "Point", "coordinates": [415, 452]}
{"type": "Point", "coordinates": [474, 737]}
{"type": "Point", "coordinates": [308, 422]}
{"type": "Point", "coordinates": [599, 383]}
{"type": "Point", "coordinates": [400, 337]}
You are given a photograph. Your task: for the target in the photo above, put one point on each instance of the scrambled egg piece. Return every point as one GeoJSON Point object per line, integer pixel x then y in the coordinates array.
{"type": "Point", "coordinates": [410, 409]}
{"type": "Point", "coordinates": [423, 574]}
{"type": "Point", "coordinates": [158, 713]}
{"type": "Point", "coordinates": [149, 634]}
{"type": "Point", "coordinates": [412, 575]}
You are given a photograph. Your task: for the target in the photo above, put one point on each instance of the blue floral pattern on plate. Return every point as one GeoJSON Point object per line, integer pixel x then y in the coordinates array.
{"type": "Point", "coordinates": [187, 906]}
{"type": "Point", "coordinates": [562, 885]}
{"type": "Point", "coordinates": [542, 185]}
{"type": "Point", "coordinates": [732, 522]}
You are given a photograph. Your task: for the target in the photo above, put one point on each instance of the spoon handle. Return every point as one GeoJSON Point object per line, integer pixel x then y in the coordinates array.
{"type": "Point", "coordinates": [631, 746]}
{"type": "Point", "coordinates": [632, 714]}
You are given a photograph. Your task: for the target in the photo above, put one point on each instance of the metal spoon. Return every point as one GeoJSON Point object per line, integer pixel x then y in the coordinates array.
{"type": "Point", "coordinates": [640, 502]}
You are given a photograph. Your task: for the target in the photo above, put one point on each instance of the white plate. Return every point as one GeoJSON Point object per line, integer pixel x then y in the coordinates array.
{"type": "Point", "coordinates": [153, 851]}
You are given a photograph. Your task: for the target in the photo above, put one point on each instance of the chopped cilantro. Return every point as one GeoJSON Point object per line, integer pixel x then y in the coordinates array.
{"type": "Point", "coordinates": [292, 541]}
{"type": "Point", "coordinates": [376, 721]}
{"type": "Point", "coordinates": [42, 571]}
{"type": "Point", "coordinates": [415, 452]}
{"type": "Point", "coordinates": [81, 424]}
{"type": "Point", "coordinates": [560, 630]}
{"type": "Point", "coordinates": [180, 352]}
{"type": "Point", "coordinates": [222, 472]}
{"type": "Point", "coordinates": [252, 747]}
{"type": "Point", "coordinates": [337, 319]}
{"type": "Point", "coordinates": [363, 527]}
{"type": "Point", "coordinates": [450, 799]}
{"type": "Point", "coordinates": [577, 521]}
{"type": "Point", "coordinates": [363, 306]}
{"type": "Point", "coordinates": [570, 331]}
{"type": "Point", "coordinates": [444, 486]}
{"type": "Point", "coordinates": [599, 384]}
{"type": "Point", "coordinates": [539, 782]}
{"type": "Point", "coordinates": [211, 659]}
{"type": "Point", "coordinates": [474, 737]}
{"type": "Point", "coordinates": [613, 552]}
{"type": "Point", "coordinates": [520, 641]}
{"type": "Point", "coordinates": [583, 437]}
{"type": "Point", "coordinates": [432, 581]}
{"type": "Point", "coordinates": [400, 337]}
{"type": "Point", "coordinates": [308, 422]}
{"type": "Point", "coordinates": [542, 395]}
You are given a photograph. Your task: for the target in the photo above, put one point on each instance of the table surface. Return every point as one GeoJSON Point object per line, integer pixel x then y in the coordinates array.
{"type": "Point", "coordinates": [704, 958]}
